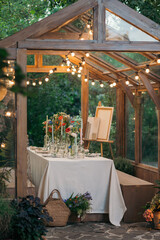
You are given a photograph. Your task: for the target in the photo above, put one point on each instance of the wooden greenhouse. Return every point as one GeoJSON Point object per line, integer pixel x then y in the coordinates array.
{"type": "Point", "coordinates": [115, 30]}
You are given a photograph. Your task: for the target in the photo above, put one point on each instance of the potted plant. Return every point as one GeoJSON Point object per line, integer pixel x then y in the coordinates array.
{"type": "Point", "coordinates": [78, 205]}
{"type": "Point", "coordinates": [152, 212]}
{"type": "Point", "coordinates": [28, 222]}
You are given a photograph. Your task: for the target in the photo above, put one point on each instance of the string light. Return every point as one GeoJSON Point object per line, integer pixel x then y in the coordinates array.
{"type": "Point", "coordinates": [73, 73]}
{"type": "Point", "coordinates": [12, 83]}
{"type": "Point", "coordinates": [9, 62]}
{"type": "Point", "coordinates": [147, 70]}
{"type": "Point", "coordinates": [68, 69]}
{"type": "Point", "coordinates": [51, 71]}
{"type": "Point", "coordinates": [101, 84]}
{"type": "Point", "coordinates": [72, 54]}
{"type": "Point", "coordinates": [8, 114]}
{"type": "Point", "coordinates": [114, 84]}
{"type": "Point", "coordinates": [136, 76]}
{"type": "Point", "coordinates": [89, 24]}
{"type": "Point", "coordinates": [63, 63]}
{"type": "Point", "coordinates": [86, 79]}
{"type": "Point", "coordinates": [111, 85]}
{"type": "Point", "coordinates": [93, 82]}
{"type": "Point", "coordinates": [80, 67]}
{"type": "Point", "coordinates": [158, 58]}
{"type": "Point", "coordinates": [68, 62]}
{"type": "Point", "coordinates": [79, 75]}
{"type": "Point", "coordinates": [27, 82]}
{"type": "Point", "coordinates": [90, 31]}
{"type": "Point", "coordinates": [34, 83]}
{"type": "Point", "coordinates": [83, 61]}
{"type": "Point", "coordinates": [87, 54]}
{"type": "Point", "coordinates": [40, 82]}
{"type": "Point", "coordinates": [3, 145]}
{"type": "Point", "coordinates": [127, 82]}
{"type": "Point", "coordinates": [46, 79]}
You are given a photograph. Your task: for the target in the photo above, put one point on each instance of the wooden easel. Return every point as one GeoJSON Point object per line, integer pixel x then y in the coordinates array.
{"type": "Point", "coordinates": [101, 142]}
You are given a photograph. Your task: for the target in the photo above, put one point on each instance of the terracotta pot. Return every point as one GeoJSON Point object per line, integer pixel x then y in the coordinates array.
{"type": "Point", "coordinates": [157, 220]}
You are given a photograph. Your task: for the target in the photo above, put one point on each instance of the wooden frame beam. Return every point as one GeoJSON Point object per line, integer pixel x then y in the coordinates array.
{"type": "Point", "coordinates": [90, 45]}
{"type": "Point", "coordinates": [155, 97]}
{"type": "Point", "coordinates": [131, 16]}
{"type": "Point", "coordinates": [128, 92]}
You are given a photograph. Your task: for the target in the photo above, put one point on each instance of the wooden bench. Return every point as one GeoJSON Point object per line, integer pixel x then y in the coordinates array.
{"type": "Point", "coordinates": [136, 193]}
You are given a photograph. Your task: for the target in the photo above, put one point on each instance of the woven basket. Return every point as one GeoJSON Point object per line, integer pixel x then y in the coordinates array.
{"type": "Point", "coordinates": [57, 209]}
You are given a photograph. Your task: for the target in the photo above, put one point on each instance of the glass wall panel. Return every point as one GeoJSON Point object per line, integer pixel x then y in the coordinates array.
{"type": "Point", "coordinates": [130, 131]}
{"type": "Point", "coordinates": [149, 132]}
{"type": "Point", "coordinates": [119, 30]}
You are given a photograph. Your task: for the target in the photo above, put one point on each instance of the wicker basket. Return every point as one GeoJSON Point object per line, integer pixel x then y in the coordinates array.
{"type": "Point", "coordinates": [57, 209]}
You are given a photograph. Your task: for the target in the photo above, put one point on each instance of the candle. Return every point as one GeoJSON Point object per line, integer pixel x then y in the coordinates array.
{"type": "Point", "coordinates": [76, 145]}
{"type": "Point", "coordinates": [81, 132]}
{"type": "Point", "coordinates": [46, 131]}
{"type": "Point", "coordinates": [52, 134]}
{"type": "Point", "coordinates": [62, 127]}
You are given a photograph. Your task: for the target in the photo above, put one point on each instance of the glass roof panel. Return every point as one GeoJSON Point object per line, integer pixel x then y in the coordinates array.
{"type": "Point", "coordinates": [110, 60]}
{"type": "Point", "coordinates": [79, 29]}
{"type": "Point", "coordinates": [52, 60]}
{"type": "Point", "coordinates": [119, 30]}
{"type": "Point", "coordinates": [137, 57]}
{"type": "Point", "coordinates": [155, 69]}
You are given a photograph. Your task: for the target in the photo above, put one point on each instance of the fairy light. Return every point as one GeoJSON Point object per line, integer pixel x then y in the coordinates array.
{"type": "Point", "coordinates": [114, 84]}
{"type": "Point", "coordinates": [68, 69]}
{"type": "Point", "coordinates": [86, 79]}
{"type": "Point", "coordinates": [83, 61]}
{"type": "Point", "coordinates": [34, 84]}
{"type": "Point", "coordinates": [127, 82]}
{"type": "Point", "coordinates": [40, 82]}
{"type": "Point", "coordinates": [80, 67]}
{"type": "Point", "coordinates": [12, 83]}
{"type": "Point", "coordinates": [27, 82]}
{"type": "Point", "coordinates": [90, 31]}
{"type": "Point", "coordinates": [8, 114]}
{"type": "Point", "coordinates": [72, 54]}
{"type": "Point", "coordinates": [82, 38]}
{"type": "Point", "coordinates": [87, 54]}
{"type": "Point", "coordinates": [147, 70]}
{"type": "Point", "coordinates": [73, 73]}
{"type": "Point", "coordinates": [79, 75]}
{"type": "Point", "coordinates": [101, 84]}
{"type": "Point", "coordinates": [93, 82]}
{"type": "Point", "coordinates": [51, 71]}
{"type": "Point", "coordinates": [111, 85]}
{"type": "Point", "coordinates": [89, 24]}
{"type": "Point", "coordinates": [11, 69]}
{"type": "Point", "coordinates": [9, 62]}
{"type": "Point", "coordinates": [3, 145]}
{"type": "Point", "coordinates": [63, 63]}
{"type": "Point", "coordinates": [136, 76]}
{"type": "Point", "coordinates": [46, 79]}
{"type": "Point", "coordinates": [158, 58]}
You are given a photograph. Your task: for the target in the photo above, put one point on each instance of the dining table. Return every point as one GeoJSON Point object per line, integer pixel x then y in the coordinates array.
{"type": "Point", "coordinates": [94, 174]}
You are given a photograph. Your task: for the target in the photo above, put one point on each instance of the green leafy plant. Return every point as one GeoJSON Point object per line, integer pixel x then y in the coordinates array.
{"type": "Point", "coordinates": [151, 207]}
{"type": "Point", "coordinates": [6, 213]}
{"type": "Point", "coordinates": [4, 177]}
{"type": "Point", "coordinates": [29, 221]}
{"type": "Point", "coordinates": [79, 204]}
{"type": "Point", "coordinates": [124, 165]}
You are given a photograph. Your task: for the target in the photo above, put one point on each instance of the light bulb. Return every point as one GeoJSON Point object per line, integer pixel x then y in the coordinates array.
{"type": "Point", "coordinates": [111, 85]}
{"type": "Point", "coordinates": [79, 75]}
{"type": "Point", "coordinates": [72, 54]}
{"type": "Point", "coordinates": [127, 82]}
{"type": "Point", "coordinates": [73, 73]}
{"type": "Point", "coordinates": [3, 145]}
{"type": "Point", "coordinates": [12, 83]}
{"type": "Point", "coordinates": [11, 69]}
{"type": "Point", "coordinates": [8, 114]}
{"type": "Point", "coordinates": [46, 79]}
{"type": "Point", "coordinates": [147, 70]}
{"type": "Point", "coordinates": [136, 76]}
{"type": "Point", "coordinates": [83, 61]}
{"type": "Point", "coordinates": [93, 82]}
{"type": "Point", "coordinates": [158, 58]}
{"type": "Point", "coordinates": [51, 71]}
{"type": "Point", "coordinates": [74, 70]}
{"type": "Point", "coordinates": [79, 71]}
{"type": "Point", "coordinates": [114, 84]}
{"type": "Point", "coordinates": [68, 69]}
{"type": "Point", "coordinates": [27, 82]}
{"type": "Point", "coordinates": [101, 84]}
{"type": "Point", "coordinates": [90, 31]}
{"type": "Point", "coordinates": [9, 62]}
{"type": "Point", "coordinates": [87, 54]}
{"type": "Point", "coordinates": [34, 84]}
{"type": "Point", "coordinates": [82, 39]}
{"type": "Point", "coordinates": [40, 82]}
{"type": "Point", "coordinates": [86, 79]}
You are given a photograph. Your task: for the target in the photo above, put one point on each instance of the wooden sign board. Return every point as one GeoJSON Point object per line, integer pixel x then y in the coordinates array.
{"type": "Point", "coordinates": [105, 115]}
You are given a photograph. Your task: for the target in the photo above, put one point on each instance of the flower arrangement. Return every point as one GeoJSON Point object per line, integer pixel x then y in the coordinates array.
{"type": "Point", "coordinates": [151, 207]}
{"type": "Point", "coordinates": [79, 204]}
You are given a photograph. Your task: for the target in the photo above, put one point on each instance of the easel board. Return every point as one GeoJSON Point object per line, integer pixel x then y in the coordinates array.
{"type": "Point", "coordinates": [105, 115]}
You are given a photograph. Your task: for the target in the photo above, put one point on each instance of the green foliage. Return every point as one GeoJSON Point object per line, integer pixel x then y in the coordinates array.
{"type": "Point", "coordinates": [4, 177]}
{"type": "Point", "coordinates": [6, 213]}
{"type": "Point", "coordinates": [28, 223]}
{"type": "Point", "coordinates": [79, 204]}
{"type": "Point", "coordinates": [124, 165]}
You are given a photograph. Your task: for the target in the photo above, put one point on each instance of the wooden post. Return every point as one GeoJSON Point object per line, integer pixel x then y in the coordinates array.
{"type": "Point", "coordinates": [99, 22]}
{"type": "Point", "coordinates": [84, 98]}
{"type": "Point", "coordinates": [158, 114]}
{"type": "Point", "coordinates": [120, 122]}
{"type": "Point", "coordinates": [138, 130]}
{"type": "Point", "coordinates": [21, 168]}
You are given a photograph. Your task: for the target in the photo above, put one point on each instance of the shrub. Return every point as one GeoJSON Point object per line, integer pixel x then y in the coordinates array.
{"type": "Point", "coordinates": [124, 165]}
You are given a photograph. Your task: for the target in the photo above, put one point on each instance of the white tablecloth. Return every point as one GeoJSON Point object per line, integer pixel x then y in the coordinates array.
{"type": "Point", "coordinates": [95, 175]}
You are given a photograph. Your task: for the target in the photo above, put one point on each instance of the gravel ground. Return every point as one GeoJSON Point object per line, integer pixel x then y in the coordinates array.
{"type": "Point", "coordinates": [100, 231]}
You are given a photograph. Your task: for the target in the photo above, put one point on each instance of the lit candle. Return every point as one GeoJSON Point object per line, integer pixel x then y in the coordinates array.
{"type": "Point", "coordinates": [76, 145]}
{"type": "Point", "coordinates": [81, 132]}
{"type": "Point", "coordinates": [46, 128]}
